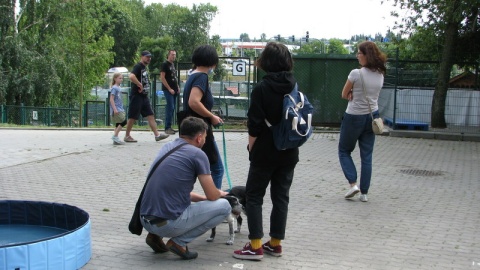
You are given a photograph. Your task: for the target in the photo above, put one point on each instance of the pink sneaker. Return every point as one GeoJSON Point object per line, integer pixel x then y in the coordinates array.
{"type": "Point", "coordinates": [274, 251]}
{"type": "Point", "coordinates": [247, 253]}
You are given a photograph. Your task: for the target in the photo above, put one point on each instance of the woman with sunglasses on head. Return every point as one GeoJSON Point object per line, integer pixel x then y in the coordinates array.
{"type": "Point", "coordinates": [362, 84]}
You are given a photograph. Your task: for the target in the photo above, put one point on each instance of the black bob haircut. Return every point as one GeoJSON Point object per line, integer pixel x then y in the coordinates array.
{"type": "Point", "coordinates": [205, 56]}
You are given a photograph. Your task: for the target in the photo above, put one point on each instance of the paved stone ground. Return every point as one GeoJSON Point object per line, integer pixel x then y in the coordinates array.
{"type": "Point", "coordinates": [423, 211]}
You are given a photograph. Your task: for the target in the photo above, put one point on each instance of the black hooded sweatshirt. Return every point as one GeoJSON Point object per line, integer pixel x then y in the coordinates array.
{"type": "Point", "coordinates": [267, 102]}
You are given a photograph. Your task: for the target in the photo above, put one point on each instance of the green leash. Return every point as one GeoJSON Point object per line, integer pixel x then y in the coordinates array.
{"type": "Point", "coordinates": [225, 159]}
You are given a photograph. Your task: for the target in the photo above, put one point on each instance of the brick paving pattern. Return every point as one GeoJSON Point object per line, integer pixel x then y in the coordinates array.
{"type": "Point", "coordinates": [423, 210]}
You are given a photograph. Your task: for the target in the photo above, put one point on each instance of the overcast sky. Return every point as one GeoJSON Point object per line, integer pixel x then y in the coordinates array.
{"type": "Point", "coordinates": [323, 18]}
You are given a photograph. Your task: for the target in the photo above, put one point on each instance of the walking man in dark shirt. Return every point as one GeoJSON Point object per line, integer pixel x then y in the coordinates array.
{"type": "Point", "coordinates": [168, 76]}
{"type": "Point", "coordinates": [139, 103]}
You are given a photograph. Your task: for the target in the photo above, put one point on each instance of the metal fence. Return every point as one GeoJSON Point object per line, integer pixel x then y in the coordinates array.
{"type": "Point", "coordinates": [39, 116]}
{"type": "Point", "coordinates": [405, 100]}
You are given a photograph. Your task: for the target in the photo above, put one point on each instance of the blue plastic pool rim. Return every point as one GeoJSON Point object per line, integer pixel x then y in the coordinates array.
{"type": "Point", "coordinates": [68, 231]}
{"type": "Point", "coordinates": [66, 250]}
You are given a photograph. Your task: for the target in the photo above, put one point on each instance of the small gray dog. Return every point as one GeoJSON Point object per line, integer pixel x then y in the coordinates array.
{"type": "Point", "coordinates": [236, 198]}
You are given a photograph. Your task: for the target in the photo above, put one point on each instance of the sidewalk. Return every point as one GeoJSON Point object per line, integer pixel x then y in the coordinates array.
{"type": "Point", "coordinates": [423, 210]}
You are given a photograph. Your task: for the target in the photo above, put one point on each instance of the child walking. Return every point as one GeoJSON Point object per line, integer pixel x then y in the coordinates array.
{"type": "Point", "coordinates": [116, 107]}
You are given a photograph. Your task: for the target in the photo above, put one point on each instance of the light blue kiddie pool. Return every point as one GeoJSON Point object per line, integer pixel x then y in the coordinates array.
{"type": "Point", "coordinates": [43, 235]}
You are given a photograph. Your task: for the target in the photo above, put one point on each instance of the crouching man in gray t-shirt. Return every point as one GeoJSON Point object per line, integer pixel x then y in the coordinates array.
{"type": "Point", "coordinates": [167, 209]}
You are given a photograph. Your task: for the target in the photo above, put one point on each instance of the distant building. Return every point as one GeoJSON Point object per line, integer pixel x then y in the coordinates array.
{"type": "Point", "coordinates": [465, 80]}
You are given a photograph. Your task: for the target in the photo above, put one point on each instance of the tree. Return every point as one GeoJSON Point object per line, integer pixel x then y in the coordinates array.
{"type": "Point", "coordinates": [188, 28]}
{"type": "Point", "coordinates": [22, 63]}
{"type": "Point", "coordinates": [220, 72]}
{"type": "Point", "coordinates": [159, 48]}
{"type": "Point", "coordinates": [55, 51]}
{"type": "Point", "coordinates": [314, 47]}
{"type": "Point", "coordinates": [455, 24]}
{"type": "Point", "coordinates": [7, 22]}
{"type": "Point", "coordinates": [335, 46]}
{"type": "Point", "coordinates": [244, 37]}
{"type": "Point", "coordinates": [215, 42]}
{"type": "Point", "coordinates": [125, 34]}
{"type": "Point", "coordinates": [263, 37]}
{"type": "Point", "coordinates": [86, 49]}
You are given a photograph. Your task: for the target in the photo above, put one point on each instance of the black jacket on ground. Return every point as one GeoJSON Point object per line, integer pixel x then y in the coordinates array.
{"type": "Point", "coordinates": [267, 102]}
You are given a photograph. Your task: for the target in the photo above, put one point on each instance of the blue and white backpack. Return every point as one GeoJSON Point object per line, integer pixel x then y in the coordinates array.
{"type": "Point", "coordinates": [295, 127]}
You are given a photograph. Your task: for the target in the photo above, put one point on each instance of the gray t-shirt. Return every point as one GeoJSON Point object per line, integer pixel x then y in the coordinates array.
{"type": "Point", "coordinates": [117, 99]}
{"type": "Point", "coordinates": [373, 81]}
{"type": "Point", "coordinates": [167, 193]}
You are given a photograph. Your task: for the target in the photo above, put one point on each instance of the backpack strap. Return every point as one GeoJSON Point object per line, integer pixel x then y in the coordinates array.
{"type": "Point", "coordinates": [293, 100]}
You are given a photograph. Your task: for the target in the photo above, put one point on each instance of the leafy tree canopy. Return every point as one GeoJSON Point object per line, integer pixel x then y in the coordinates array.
{"type": "Point", "coordinates": [55, 51]}
{"type": "Point", "coordinates": [245, 37]}
{"type": "Point", "coordinates": [450, 30]}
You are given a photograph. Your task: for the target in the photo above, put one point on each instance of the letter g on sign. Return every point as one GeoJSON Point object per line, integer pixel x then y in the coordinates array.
{"type": "Point", "coordinates": [238, 68]}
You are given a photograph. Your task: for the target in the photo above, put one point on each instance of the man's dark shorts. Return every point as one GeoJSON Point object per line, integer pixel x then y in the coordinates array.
{"type": "Point", "coordinates": [139, 104]}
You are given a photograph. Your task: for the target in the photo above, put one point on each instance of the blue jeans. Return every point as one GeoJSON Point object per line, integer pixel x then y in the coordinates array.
{"type": "Point", "coordinates": [217, 169]}
{"type": "Point", "coordinates": [357, 128]}
{"type": "Point", "coordinates": [280, 179]}
{"type": "Point", "coordinates": [169, 108]}
{"type": "Point", "coordinates": [196, 220]}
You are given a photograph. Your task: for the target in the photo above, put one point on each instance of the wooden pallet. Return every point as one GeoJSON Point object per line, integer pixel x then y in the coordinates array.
{"type": "Point", "coordinates": [406, 124]}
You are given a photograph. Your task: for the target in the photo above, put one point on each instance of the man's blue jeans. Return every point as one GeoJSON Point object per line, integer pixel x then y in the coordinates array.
{"type": "Point", "coordinates": [197, 219]}
{"type": "Point", "coordinates": [357, 128]}
{"type": "Point", "coordinates": [169, 108]}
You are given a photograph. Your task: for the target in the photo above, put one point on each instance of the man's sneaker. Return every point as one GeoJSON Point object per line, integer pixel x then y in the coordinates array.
{"type": "Point", "coordinates": [363, 198]}
{"type": "Point", "coordinates": [170, 131]}
{"type": "Point", "coordinates": [354, 190]}
{"type": "Point", "coordinates": [156, 243]}
{"type": "Point", "coordinates": [129, 139]}
{"type": "Point", "coordinates": [180, 251]}
{"type": "Point", "coordinates": [116, 141]}
{"type": "Point", "coordinates": [161, 137]}
{"type": "Point", "coordinates": [247, 253]}
{"type": "Point", "coordinates": [274, 251]}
